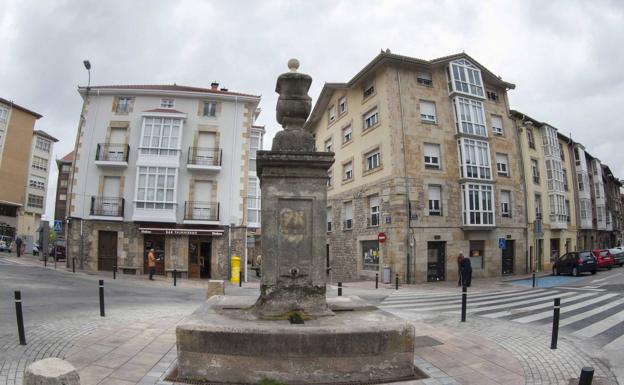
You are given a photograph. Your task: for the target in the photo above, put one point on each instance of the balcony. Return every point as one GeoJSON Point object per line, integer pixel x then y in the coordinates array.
{"type": "Point", "coordinates": [204, 159]}
{"type": "Point", "coordinates": [107, 208]}
{"type": "Point", "coordinates": [558, 221]}
{"type": "Point", "coordinates": [201, 213]}
{"type": "Point", "coordinates": [112, 155]}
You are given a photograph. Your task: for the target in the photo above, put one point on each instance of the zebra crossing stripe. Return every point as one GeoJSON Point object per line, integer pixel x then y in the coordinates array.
{"type": "Point", "coordinates": [564, 309]}
{"type": "Point", "coordinates": [616, 344]}
{"type": "Point", "coordinates": [425, 298]}
{"type": "Point", "coordinates": [590, 313]}
{"type": "Point", "coordinates": [584, 288]}
{"type": "Point", "coordinates": [508, 304]}
{"type": "Point", "coordinates": [545, 305]}
{"type": "Point", "coordinates": [424, 295]}
{"type": "Point", "coordinates": [600, 326]}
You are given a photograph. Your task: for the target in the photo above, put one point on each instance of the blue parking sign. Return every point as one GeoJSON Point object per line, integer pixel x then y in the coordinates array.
{"type": "Point", "coordinates": [58, 226]}
{"type": "Point", "coordinates": [501, 243]}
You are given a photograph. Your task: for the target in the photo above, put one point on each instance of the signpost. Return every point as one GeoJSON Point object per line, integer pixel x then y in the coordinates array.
{"type": "Point", "coordinates": [58, 226]}
{"type": "Point", "coordinates": [381, 237]}
{"type": "Point", "coordinates": [501, 243]}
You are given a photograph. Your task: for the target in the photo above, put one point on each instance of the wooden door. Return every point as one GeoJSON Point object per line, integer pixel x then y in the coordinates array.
{"type": "Point", "coordinates": [205, 259]}
{"type": "Point", "coordinates": [107, 250]}
{"type": "Point", "coordinates": [156, 242]}
{"type": "Point", "coordinates": [193, 263]}
{"type": "Point", "coordinates": [508, 257]}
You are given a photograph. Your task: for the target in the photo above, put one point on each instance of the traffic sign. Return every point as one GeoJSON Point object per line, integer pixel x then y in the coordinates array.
{"type": "Point", "coordinates": [58, 226]}
{"type": "Point", "coordinates": [501, 243]}
{"type": "Point", "coordinates": [381, 237]}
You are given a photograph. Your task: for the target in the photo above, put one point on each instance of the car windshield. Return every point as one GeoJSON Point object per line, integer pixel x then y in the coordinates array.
{"type": "Point", "coordinates": [604, 253]}
{"type": "Point", "coordinates": [615, 251]}
{"type": "Point", "coordinates": [585, 256]}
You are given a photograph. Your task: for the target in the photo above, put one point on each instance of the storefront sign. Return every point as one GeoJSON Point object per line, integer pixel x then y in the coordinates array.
{"type": "Point", "coordinates": [165, 231]}
{"type": "Point", "coordinates": [381, 237]}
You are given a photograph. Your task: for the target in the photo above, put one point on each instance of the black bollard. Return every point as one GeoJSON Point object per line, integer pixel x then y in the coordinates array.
{"type": "Point", "coordinates": [20, 318]}
{"type": "Point", "coordinates": [587, 375]}
{"type": "Point", "coordinates": [533, 279]}
{"type": "Point", "coordinates": [115, 272]}
{"type": "Point", "coordinates": [555, 328]}
{"type": "Point", "coordinates": [376, 280]}
{"type": "Point", "coordinates": [102, 298]}
{"type": "Point", "coordinates": [73, 265]}
{"type": "Point", "coordinates": [464, 300]}
{"type": "Point", "coordinates": [175, 277]}
{"type": "Point", "coordinates": [240, 279]}
{"type": "Point", "coordinates": [396, 281]}
{"type": "Point", "coordinates": [339, 289]}
{"type": "Point", "coordinates": [45, 260]}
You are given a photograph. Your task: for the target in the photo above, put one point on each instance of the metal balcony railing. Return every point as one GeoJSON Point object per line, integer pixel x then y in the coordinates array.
{"type": "Point", "coordinates": [202, 156]}
{"type": "Point", "coordinates": [111, 152]}
{"type": "Point", "coordinates": [201, 211]}
{"type": "Point", "coordinates": [107, 206]}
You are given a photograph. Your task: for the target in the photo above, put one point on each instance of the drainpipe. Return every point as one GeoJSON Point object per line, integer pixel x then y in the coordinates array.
{"type": "Point", "coordinates": [526, 197]}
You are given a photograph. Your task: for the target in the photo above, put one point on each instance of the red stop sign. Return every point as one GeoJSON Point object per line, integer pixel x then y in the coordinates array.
{"type": "Point", "coordinates": [381, 237]}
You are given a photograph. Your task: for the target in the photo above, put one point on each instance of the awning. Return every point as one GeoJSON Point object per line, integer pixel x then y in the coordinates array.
{"type": "Point", "coordinates": [173, 231]}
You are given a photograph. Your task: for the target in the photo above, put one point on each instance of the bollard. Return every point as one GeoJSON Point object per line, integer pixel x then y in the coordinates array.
{"type": "Point", "coordinates": [533, 279]}
{"type": "Point", "coordinates": [175, 277]}
{"type": "Point", "coordinates": [102, 298]}
{"type": "Point", "coordinates": [376, 280]}
{"type": "Point", "coordinates": [115, 272]}
{"type": "Point", "coordinates": [73, 265]}
{"type": "Point", "coordinates": [45, 260]}
{"type": "Point", "coordinates": [587, 375]}
{"type": "Point", "coordinates": [555, 328]}
{"type": "Point", "coordinates": [396, 282]}
{"type": "Point", "coordinates": [464, 300]}
{"type": "Point", "coordinates": [20, 318]}
{"type": "Point", "coordinates": [339, 289]}
{"type": "Point", "coordinates": [240, 278]}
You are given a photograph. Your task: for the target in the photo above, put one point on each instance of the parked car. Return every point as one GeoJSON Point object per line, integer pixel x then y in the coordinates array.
{"type": "Point", "coordinates": [604, 259]}
{"type": "Point", "coordinates": [618, 254]}
{"type": "Point", "coordinates": [57, 249]}
{"type": "Point", "coordinates": [574, 263]}
{"type": "Point", "coordinates": [5, 243]}
{"type": "Point", "coordinates": [35, 248]}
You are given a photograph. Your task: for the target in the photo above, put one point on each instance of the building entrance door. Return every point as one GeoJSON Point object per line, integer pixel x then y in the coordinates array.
{"type": "Point", "coordinates": [156, 242]}
{"type": "Point", "coordinates": [107, 250]}
{"type": "Point", "coordinates": [436, 265]}
{"type": "Point", "coordinates": [554, 249]}
{"type": "Point", "coordinates": [200, 257]}
{"type": "Point", "coordinates": [508, 257]}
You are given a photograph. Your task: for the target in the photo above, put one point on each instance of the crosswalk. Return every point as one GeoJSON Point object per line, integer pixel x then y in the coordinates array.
{"type": "Point", "coordinates": [13, 262]}
{"type": "Point", "coordinates": [587, 312]}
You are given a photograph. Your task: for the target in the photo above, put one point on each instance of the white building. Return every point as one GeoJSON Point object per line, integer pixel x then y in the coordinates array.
{"type": "Point", "coordinates": [163, 167]}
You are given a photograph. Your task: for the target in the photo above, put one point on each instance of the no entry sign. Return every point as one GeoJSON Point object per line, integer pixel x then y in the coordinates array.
{"type": "Point", "coordinates": [381, 237]}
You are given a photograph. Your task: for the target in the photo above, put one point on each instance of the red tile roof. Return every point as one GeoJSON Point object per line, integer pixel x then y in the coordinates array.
{"type": "Point", "coordinates": [69, 157]}
{"type": "Point", "coordinates": [168, 87]}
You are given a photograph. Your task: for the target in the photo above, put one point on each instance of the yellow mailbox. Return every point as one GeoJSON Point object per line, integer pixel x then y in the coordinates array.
{"type": "Point", "coordinates": [236, 268]}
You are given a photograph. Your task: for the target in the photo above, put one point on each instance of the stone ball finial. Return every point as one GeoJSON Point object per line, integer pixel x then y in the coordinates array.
{"type": "Point", "coordinates": [293, 65]}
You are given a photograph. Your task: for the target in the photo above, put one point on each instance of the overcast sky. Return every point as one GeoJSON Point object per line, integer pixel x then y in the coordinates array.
{"type": "Point", "coordinates": [566, 58]}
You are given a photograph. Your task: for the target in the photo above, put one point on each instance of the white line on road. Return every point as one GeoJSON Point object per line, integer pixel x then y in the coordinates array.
{"type": "Point", "coordinates": [534, 307]}
{"type": "Point", "coordinates": [457, 298]}
{"type": "Point", "coordinates": [570, 320]}
{"type": "Point", "coordinates": [565, 308]}
{"type": "Point", "coordinates": [600, 326]}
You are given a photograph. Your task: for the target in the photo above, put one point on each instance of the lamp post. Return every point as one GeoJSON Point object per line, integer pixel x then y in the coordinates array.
{"type": "Point", "coordinates": [87, 65]}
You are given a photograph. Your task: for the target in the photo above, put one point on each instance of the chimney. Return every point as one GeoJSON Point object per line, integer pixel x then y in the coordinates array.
{"type": "Point", "coordinates": [214, 86]}
{"type": "Point", "coordinates": [224, 89]}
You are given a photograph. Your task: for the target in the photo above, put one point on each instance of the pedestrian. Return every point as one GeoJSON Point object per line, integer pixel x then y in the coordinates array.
{"type": "Point", "coordinates": [151, 263]}
{"type": "Point", "coordinates": [18, 246]}
{"type": "Point", "coordinates": [466, 272]}
{"type": "Point", "coordinates": [460, 257]}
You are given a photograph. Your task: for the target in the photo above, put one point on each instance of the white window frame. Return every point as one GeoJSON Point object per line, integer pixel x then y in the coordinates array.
{"type": "Point", "coordinates": [37, 182]}
{"type": "Point", "coordinates": [253, 202]}
{"type": "Point", "coordinates": [331, 114]}
{"type": "Point", "coordinates": [167, 103]}
{"type": "Point", "coordinates": [154, 144]}
{"type": "Point", "coordinates": [558, 209]}
{"type": "Point", "coordinates": [505, 203]}
{"type": "Point", "coordinates": [329, 145]}
{"type": "Point", "coordinates": [330, 178]}
{"type": "Point", "coordinates": [347, 209]}
{"type": "Point", "coordinates": [497, 129]}
{"type": "Point", "coordinates": [123, 107]}
{"type": "Point", "coordinates": [432, 156]}
{"type": "Point", "coordinates": [434, 199]}
{"type": "Point", "coordinates": [255, 144]}
{"type": "Point", "coordinates": [424, 79]}
{"type": "Point", "coordinates": [502, 164]}
{"type": "Point", "coordinates": [373, 159]}
{"type": "Point", "coordinates": [370, 119]}
{"type": "Point", "coordinates": [142, 201]}
{"type": "Point", "coordinates": [537, 201]}
{"type": "Point", "coordinates": [374, 211]}
{"type": "Point", "coordinates": [478, 205]}
{"type": "Point", "coordinates": [42, 144]}
{"type": "Point", "coordinates": [469, 116]}
{"type": "Point", "coordinates": [368, 90]}
{"type": "Point", "coordinates": [554, 173]}
{"type": "Point", "coordinates": [35, 201]}
{"type": "Point", "coordinates": [535, 171]}
{"type": "Point", "coordinates": [39, 163]}
{"type": "Point", "coordinates": [209, 108]}
{"type": "Point", "coordinates": [347, 134]}
{"type": "Point", "coordinates": [465, 78]}
{"type": "Point", "coordinates": [4, 114]}
{"type": "Point", "coordinates": [347, 171]}
{"type": "Point", "coordinates": [330, 219]}
{"type": "Point", "coordinates": [428, 113]}
{"type": "Point", "coordinates": [342, 105]}
{"type": "Point", "coordinates": [474, 159]}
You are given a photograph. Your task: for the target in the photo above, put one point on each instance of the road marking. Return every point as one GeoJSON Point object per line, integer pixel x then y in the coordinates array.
{"type": "Point", "coordinates": [616, 344]}
{"type": "Point", "coordinates": [398, 295]}
{"type": "Point", "coordinates": [505, 313]}
{"type": "Point", "coordinates": [583, 288]}
{"type": "Point", "coordinates": [457, 297]}
{"type": "Point", "coordinates": [600, 326]}
{"type": "Point", "coordinates": [451, 304]}
{"type": "Point", "coordinates": [564, 309]}
{"type": "Point", "coordinates": [590, 313]}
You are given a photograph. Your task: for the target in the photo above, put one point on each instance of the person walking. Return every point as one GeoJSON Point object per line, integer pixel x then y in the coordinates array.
{"type": "Point", "coordinates": [18, 246]}
{"type": "Point", "coordinates": [460, 257]}
{"type": "Point", "coordinates": [466, 272]}
{"type": "Point", "coordinates": [151, 263]}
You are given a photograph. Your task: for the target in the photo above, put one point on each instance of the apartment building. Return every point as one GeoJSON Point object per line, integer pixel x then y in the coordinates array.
{"type": "Point", "coordinates": [163, 167]}
{"type": "Point", "coordinates": [29, 218]}
{"type": "Point", "coordinates": [62, 186]}
{"type": "Point", "coordinates": [613, 207]}
{"type": "Point", "coordinates": [550, 198]}
{"type": "Point", "coordinates": [427, 158]}
{"type": "Point", "coordinates": [16, 141]}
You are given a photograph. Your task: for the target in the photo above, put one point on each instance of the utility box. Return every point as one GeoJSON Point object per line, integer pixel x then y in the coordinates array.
{"type": "Point", "coordinates": [387, 274]}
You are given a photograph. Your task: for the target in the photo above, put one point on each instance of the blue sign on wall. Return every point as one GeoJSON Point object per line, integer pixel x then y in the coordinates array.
{"type": "Point", "coordinates": [58, 226]}
{"type": "Point", "coordinates": [501, 243]}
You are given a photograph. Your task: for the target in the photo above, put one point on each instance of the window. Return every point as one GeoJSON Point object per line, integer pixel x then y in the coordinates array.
{"type": "Point", "coordinates": [550, 142]}
{"type": "Point", "coordinates": [342, 105]}
{"type": "Point", "coordinates": [567, 205]}
{"type": "Point", "coordinates": [538, 206]}
{"type": "Point", "coordinates": [35, 201]}
{"type": "Point", "coordinates": [565, 179]}
{"type": "Point", "coordinates": [370, 255]}
{"type": "Point", "coordinates": [253, 200]}
{"type": "Point", "coordinates": [424, 79]}
{"type": "Point", "coordinates": [435, 200]}
{"type": "Point", "coordinates": [123, 104]}
{"type": "Point", "coordinates": [210, 108]}
{"type": "Point", "coordinates": [505, 198]}
{"type": "Point", "coordinates": [39, 163]}
{"type": "Point", "coordinates": [347, 171]}
{"type": "Point", "coordinates": [42, 144]}
{"type": "Point", "coordinates": [373, 159]}
{"type": "Point", "coordinates": [330, 218]}
{"type": "Point", "coordinates": [561, 151]}
{"type": "Point", "coordinates": [478, 205]}
{"type": "Point", "coordinates": [347, 134]}
{"type": "Point", "coordinates": [255, 144]}
{"type": "Point", "coordinates": [558, 210]}
{"type": "Point", "coordinates": [554, 173]}
{"type": "Point", "coordinates": [347, 210]}
{"type": "Point", "coordinates": [66, 168]}
{"type": "Point", "coordinates": [530, 138]}
{"type": "Point", "coordinates": [62, 197]}
{"type": "Point", "coordinates": [492, 95]}
{"type": "Point", "coordinates": [466, 78]}
{"type": "Point", "coordinates": [37, 182]}
{"type": "Point", "coordinates": [369, 89]}
{"type": "Point", "coordinates": [577, 156]}
{"type": "Point", "coordinates": [427, 111]}
{"type": "Point", "coordinates": [535, 171]}
{"type": "Point", "coordinates": [502, 164]}
{"type": "Point", "coordinates": [330, 178]}
{"type": "Point", "coordinates": [432, 155]}
{"type": "Point", "coordinates": [497, 125]}
{"type": "Point", "coordinates": [475, 159]}
{"type": "Point", "coordinates": [328, 145]}
{"type": "Point", "coordinates": [166, 103]}
{"type": "Point", "coordinates": [374, 213]}
{"type": "Point", "coordinates": [63, 183]}
{"type": "Point", "coordinates": [597, 190]}
{"type": "Point", "coordinates": [477, 252]}
{"type": "Point", "coordinates": [4, 114]}
{"type": "Point", "coordinates": [469, 116]}
{"type": "Point", "coordinates": [156, 188]}
{"type": "Point", "coordinates": [371, 119]}
{"type": "Point", "coordinates": [331, 114]}
{"type": "Point", "coordinates": [160, 136]}
{"type": "Point", "coordinates": [585, 209]}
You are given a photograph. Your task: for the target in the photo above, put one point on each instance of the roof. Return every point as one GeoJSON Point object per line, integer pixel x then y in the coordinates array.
{"type": "Point", "coordinates": [45, 135]}
{"type": "Point", "coordinates": [167, 87]}
{"type": "Point", "coordinates": [69, 157]}
{"type": "Point", "coordinates": [386, 57]}
{"type": "Point", "coordinates": [10, 103]}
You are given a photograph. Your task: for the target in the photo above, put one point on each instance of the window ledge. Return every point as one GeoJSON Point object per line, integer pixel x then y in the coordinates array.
{"type": "Point", "coordinates": [345, 144]}
{"type": "Point", "coordinates": [345, 181]}
{"type": "Point", "coordinates": [429, 122]}
{"type": "Point", "coordinates": [351, 229]}
{"type": "Point", "coordinates": [369, 97]}
{"type": "Point", "coordinates": [371, 128]}
{"type": "Point", "coordinates": [504, 175]}
{"type": "Point", "coordinates": [432, 167]}
{"type": "Point", "coordinates": [372, 171]}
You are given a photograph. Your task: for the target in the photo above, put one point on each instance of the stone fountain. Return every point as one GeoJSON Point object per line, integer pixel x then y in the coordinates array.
{"type": "Point", "coordinates": [293, 333]}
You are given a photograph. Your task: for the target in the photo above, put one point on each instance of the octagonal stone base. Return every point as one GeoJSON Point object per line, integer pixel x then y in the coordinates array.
{"type": "Point", "coordinates": [224, 342]}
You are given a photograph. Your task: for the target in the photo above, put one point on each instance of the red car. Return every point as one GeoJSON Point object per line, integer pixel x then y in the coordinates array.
{"type": "Point", "coordinates": [604, 258]}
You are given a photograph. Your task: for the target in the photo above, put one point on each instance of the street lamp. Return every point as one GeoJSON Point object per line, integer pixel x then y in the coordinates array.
{"type": "Point", "coordinates": [87, 65]}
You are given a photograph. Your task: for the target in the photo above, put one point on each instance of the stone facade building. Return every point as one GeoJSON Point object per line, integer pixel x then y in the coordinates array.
{"type": "Point", "coordinates": [62, 186]}
{"type": "Point", "coordinates": [164, 167]}
{"type": "Point", "coordinates": [427, 155]}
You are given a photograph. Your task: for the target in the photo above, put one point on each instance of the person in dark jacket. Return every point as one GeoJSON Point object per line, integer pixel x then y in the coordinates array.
{"type": "Point", "coordinates": [466, 272]}
{"type": "Point", "coordinates": [459, 276]}
{"type": "Point", "coordinates": [18, 247]}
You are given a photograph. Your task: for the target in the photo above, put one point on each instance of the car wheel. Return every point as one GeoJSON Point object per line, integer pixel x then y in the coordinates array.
{"type": "Point", "coordinates": [555, 271]}
{"type": "Point", "coordinates": [593, 272]}
{"type": "Point", "coordinates": [575, 271]}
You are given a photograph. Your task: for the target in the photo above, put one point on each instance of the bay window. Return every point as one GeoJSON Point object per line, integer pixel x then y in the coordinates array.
{"type": "Point", "coordinates": [477, 204]}
{"type": "Point", "coordinates": [160, 135]}
{"type": "Point", "coordinates": [558, 209]}
{"type": "Point", "coordinates": [469, 116]}
{"type": "Point", "coordinates": [465, 77]}
{"type": "Point", "coordinates": [554, 172]}
{"type": "Point", "coordinates": [474, 159]}
{"type": "Point", "coordinates": [156, 188]}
